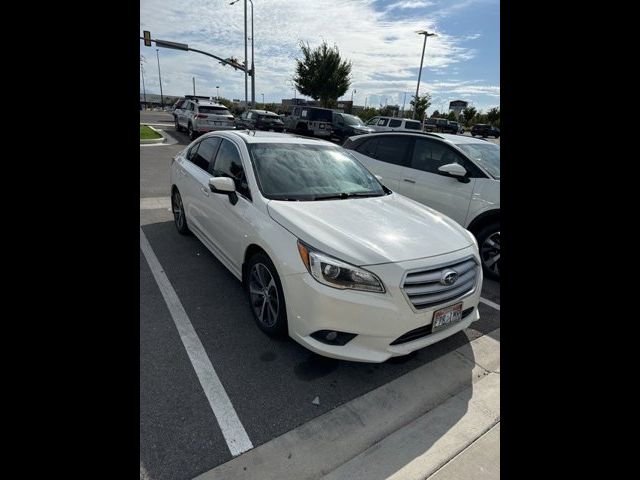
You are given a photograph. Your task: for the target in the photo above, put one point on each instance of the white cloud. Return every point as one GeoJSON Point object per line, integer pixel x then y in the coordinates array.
{"type": "Point", "coordinates": [409, 4]}
{"type": "Point", "coordinates": [385, 52]}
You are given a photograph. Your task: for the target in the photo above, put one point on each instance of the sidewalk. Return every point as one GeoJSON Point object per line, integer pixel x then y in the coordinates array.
{"type": "Point", "coordinates": [440, 421]}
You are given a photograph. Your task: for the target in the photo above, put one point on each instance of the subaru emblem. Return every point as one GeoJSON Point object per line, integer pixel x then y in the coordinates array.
{"type": "Point", "coordinates": [449, 277]}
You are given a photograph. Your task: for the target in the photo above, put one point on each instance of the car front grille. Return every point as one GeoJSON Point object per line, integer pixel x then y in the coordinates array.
{"type": "Point", "coordinates": [425, 288]}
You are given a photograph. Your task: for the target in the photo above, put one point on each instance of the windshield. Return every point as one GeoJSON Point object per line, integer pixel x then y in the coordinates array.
{"type": "Point", "coordinates": [352, 120]}
{"type": "Point", "coordinates": [486, 154]}
{"type": "Point", "coordinates": [310, 172]}
{"type": "Point", "coordinates": [214, 110]}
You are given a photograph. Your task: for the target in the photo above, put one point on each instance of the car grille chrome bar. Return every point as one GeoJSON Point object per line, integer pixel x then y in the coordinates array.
{"type": "Point", "coordinates": [425, 288]}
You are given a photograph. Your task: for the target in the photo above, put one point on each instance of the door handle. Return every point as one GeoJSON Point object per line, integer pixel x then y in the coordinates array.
{"type": "Point", "coordinates": [205, 190]}
{"type": "Point", "coordinates": [409, 180]}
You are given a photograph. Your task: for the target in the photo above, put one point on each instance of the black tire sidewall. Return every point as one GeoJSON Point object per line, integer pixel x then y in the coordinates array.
{"type": "Point", "coordinates": [185, 228]}
{"type": "Point", "coordinates": [280, 329]}
{"type": "Point", "coordinates": [481, 236]}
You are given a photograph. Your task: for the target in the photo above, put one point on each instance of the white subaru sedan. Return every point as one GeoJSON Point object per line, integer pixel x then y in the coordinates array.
{"type": "Point", "coordinates": [327, 254]}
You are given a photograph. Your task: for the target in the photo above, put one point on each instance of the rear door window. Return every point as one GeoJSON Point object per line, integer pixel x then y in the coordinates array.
{"type": "Point", "coordinates": [394, 123]}
{"type": "Point", "coordinates": [393, 149]}
{"type": "Point", "coordinates": [411, 125]}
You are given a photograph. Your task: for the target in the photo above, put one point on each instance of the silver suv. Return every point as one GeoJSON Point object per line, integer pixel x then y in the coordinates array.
{"type": "Point", "coordinates": [199, 115]}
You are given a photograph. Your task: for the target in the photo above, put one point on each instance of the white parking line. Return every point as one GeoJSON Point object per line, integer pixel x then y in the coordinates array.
{"type": "Point", "coordinates": [232, 429]}
{"type": "Point", "coordinates": [490, 303]}
{"type": "Point", "coordinates": [154, 203]}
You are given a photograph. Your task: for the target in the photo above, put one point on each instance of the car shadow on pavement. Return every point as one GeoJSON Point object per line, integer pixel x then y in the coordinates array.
{"type": "Point", "coordinates": [273, 384]}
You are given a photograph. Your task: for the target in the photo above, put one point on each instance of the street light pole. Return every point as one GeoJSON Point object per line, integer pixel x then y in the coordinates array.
{"type": "Point", "coordinates": [144, 90]}
{"type": "Point", "coordinates": [246, 62]}
{"type": "Point", "coordinates": [217, 94]}
{"type": "Point", "coordinates": [160, 78]}
{"type": "Point", "coordinates": [262, 99]}
{"type": "Point", "coordinates": [426, 34]}
{"type": "Point", "coordinates": [253, 68]}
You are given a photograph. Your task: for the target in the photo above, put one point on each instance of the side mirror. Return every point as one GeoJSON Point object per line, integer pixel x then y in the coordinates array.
{"type": "Point", "coordinates": [224, 186]}
{"type": "Point", "coordinates": [454, 170]}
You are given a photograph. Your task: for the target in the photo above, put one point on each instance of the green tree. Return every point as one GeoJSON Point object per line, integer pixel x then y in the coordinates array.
{"type": "Point", "coordinates": [469, 115]}
{"type": "Point", "coordinates": [421, 105]}
{"type": "Point", "coordinates": [322, 74]}
{"type": "Point", "coordinates": [493, 115]}
{"type": "Point", "coordinates": [368, 113]}
{"type": "Point", "coordinates": [452, 116]}
{"type": "Point", "coordinates": [435, 114]}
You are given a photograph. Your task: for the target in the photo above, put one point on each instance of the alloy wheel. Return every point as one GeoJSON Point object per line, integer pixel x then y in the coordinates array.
{"type": "Point", "coordinates": [178, 210]}
{"type": "Point", "coordinates": [264, 295]}
{"type": "Point", "coordinates": [490, 253]}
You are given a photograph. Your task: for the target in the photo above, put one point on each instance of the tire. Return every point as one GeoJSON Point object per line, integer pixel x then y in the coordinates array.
{"type": "Point", "coordinates": [179, 217]}
{"type": "Point", "coordinates": [192, 134]}
{"type": "Point", "coordinates": [489, 244]}
{"type": "Point", "coordinates": [262, 280]}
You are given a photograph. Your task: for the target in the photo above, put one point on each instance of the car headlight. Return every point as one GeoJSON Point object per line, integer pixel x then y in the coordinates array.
{"type": "Point", "coordinates": [336, 273]}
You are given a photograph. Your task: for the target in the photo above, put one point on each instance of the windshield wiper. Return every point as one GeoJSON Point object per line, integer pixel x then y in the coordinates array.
{"type": "Point", "coordinates": [344, 196]}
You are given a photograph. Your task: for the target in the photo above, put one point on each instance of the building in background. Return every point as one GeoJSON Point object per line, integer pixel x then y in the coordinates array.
{"type": "Point", "coordinates": [457, 106]}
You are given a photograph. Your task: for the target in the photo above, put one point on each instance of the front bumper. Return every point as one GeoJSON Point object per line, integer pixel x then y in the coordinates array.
{"type": "Point", "coordinates": [376, 319]}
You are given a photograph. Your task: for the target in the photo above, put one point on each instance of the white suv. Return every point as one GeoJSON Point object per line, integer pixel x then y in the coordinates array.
{"type": "Point", "coordinates": [456, 175]}
{"type": "Point", "coordinates": [199, 115]}
{"type": "Point", "coordinates": [327, 254]}
{"type": "Point", "coordinates": [393, 124]}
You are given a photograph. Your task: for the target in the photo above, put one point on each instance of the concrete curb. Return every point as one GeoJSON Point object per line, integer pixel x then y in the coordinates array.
{"type": "Point", "coordinates": [153, 141]}
{"type": "Point", "coordinates": [343, 435]}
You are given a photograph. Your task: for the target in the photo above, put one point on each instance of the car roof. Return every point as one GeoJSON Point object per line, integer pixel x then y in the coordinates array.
{"type": "Point", "coordinates": [258, 136]}
{"type": "Point", "coordinates": [448, 137]}
{"type": "Point", "coordinates": [264, 112]}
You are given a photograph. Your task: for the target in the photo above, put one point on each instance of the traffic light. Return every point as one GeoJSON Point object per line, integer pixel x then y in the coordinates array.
{"type": "Point", "coordinates": [147, 38]}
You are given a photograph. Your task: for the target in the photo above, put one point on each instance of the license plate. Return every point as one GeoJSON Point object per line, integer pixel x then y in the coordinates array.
{"type": "Point", "coordinates": [446, 317]}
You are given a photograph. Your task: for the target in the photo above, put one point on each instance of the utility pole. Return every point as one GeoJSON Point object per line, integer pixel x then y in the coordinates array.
{"type": "Point", "coordinates": [246, 62]}
{"type": "Point", "coordinates": [194, 86]}
{"type": "Point", "coordinates": [253, 68]}
{"type": "Point", "coordinates": [403, 103]}
{"type": "Point", "coordinates": [426, 34]}
{"type": "Point", "coordinates": [144, 91]}
{"type": "Point", "coordinates": [160, 78]}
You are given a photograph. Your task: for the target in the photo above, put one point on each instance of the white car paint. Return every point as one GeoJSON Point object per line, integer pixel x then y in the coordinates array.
{"type": "Point", "coordinates": [386, 124]}
{"type": "Point", "coordinates": [392, 236]}
{"type": "Point", "coordinates": [463, 202]}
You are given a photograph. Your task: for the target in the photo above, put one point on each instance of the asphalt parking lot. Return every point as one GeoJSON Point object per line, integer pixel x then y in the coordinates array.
{"type": "Point", "coordinates": [270, 384]}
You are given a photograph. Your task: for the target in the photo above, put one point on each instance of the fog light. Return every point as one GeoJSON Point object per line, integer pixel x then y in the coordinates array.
{"type": "Point", "coordinates": [332, 337]}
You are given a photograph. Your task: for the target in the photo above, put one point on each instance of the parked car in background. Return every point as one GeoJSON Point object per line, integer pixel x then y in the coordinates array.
{"type": "Point", "coordinates": [440, 125]}
{"type": "Point", "coordinates": [199, 115]}
{"type": "Point", "coordinates": [260, 120]}
{"type": "Point", "coordinates": [310, 121]}
{"type": "Point", "coordinates": [456, 128]}
{"type": "Point", "coordinates": [345, 126]}
{"type": "Point", "coordinates": [484, 130]}
{"type": "Point", "coordinates": [456, 175]}
{"type": "Point", "coordinates": [393, 124]}
{"type": "Point", "coordinates": [429, 125]}
{"type": "Point", "coordinates": [326, 253]}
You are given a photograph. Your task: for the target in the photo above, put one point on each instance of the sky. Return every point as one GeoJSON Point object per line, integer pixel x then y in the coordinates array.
{"type": "Point", "coordinates": [378, 36]}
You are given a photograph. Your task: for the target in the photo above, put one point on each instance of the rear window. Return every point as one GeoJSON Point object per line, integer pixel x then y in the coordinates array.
{"type": "Point", "coordinates": [321, 115]}
{"type": "Point", "coordinates": [214, 110]}
{"type": "Point", "coordinates": [412, 125]}
{"type": "Point", "coordinates": [431, 121]}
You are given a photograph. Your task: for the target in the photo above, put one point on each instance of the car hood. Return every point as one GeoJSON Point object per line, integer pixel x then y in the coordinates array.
{"type": "Point", "coordinates": [362, 128]}
{"type": "Point", "coordinates": [374, 230]}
